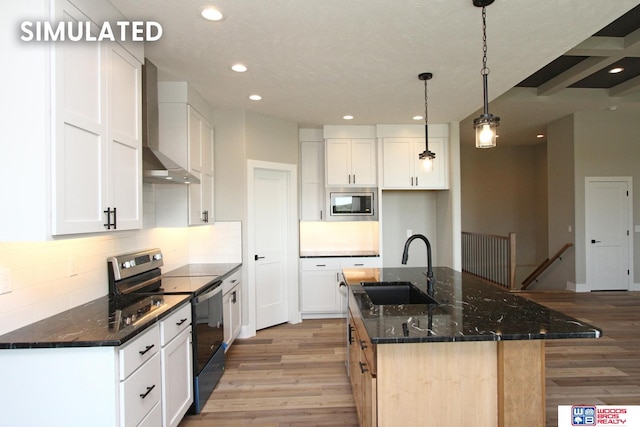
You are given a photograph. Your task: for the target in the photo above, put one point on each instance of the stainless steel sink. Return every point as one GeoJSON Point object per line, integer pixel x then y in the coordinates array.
{"type": "Point", "coordinates": [396, 293]}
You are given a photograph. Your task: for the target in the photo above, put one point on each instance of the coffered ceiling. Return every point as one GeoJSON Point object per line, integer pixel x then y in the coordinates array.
{"type": "Point", "coordinates": [314, 61]}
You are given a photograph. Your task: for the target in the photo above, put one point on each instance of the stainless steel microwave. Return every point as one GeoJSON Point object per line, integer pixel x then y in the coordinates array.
{"type": "Point", "coordinates": [352, 204]}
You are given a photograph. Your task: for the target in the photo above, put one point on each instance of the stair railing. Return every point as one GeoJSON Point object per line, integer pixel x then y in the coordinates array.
{"type": "Point", "coordinates": [543, 266]}
{"type": "Point", "coordinates": [490, 257]}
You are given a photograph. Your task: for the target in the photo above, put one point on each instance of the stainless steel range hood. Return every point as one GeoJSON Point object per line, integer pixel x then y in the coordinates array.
{"type": "Point", "coordinates": [158, 168]}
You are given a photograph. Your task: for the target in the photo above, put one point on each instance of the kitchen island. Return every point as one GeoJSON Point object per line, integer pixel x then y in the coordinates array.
{"type": "Point", "coordinates": [474, 358]}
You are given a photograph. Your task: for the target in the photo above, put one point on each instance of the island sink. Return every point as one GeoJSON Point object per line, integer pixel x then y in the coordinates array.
{"type": "Point", "coordinates": [396, 293]}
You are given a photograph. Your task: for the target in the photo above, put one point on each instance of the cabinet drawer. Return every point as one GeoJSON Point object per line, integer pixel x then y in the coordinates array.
{"type": "Point", "coordinates": [140, 393]}
{"type": "Point", "coordinates": [138, 351]}
{"type": "Point", "coordinates": [319, 264]}
{"type": "Point", "coordinates": [231, 281]}
{"type": "Point", "coordinates": [154, 418]}
{"type": "Point", "coordinates": [174, 324]}
{"type": "Point", "coordinates": [364, 262]}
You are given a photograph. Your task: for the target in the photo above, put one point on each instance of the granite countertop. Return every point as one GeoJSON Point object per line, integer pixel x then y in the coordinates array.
{"type": "Point", "coordinates": [469, 309]}
{"type": "Point", "coordinates": [89, 325]}
{"type": "Point", "coordinates": [338, 254]}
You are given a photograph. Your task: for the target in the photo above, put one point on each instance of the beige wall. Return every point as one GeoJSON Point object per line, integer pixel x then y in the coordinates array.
{"type": "Point", "coordinates": [501, 194]}
{"type": "Point", "coordinates": [607, 143]}
{"type": "Point", "coordinates": [561, 203]}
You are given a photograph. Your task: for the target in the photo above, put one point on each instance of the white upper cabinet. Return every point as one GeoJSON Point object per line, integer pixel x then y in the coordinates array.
{"type": "Point", "coordinates": [351, 162]}
{"type": "Point", "coordinates": [312, 203]}
{"type": "Point", "coordinates": [401, 168]}
{"type": "Point", "coordinates": [187, 136]}
{"type": "Point", "coordinates": [74, 127]}
{"type": "Point", "coordinates": [350, 156]}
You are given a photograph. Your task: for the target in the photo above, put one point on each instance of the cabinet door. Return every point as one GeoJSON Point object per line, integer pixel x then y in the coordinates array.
{"type": "Point", "coordinates": [338, 162]}
{"type": "Point", "coordinates": [177, 378]}
{"type": "Point", "coordinates": [79, 146]}
{"type": "Point", "coordinates": [200, 136]}
{"type": "Point", "coordinates": [436, 178]}
{"type": "Point", "coordinates": [312, 181]}
{"type": "Point", "coordinates": [207, 178]}
{"type": "Point", "coordinates": [363, 162]}
{"type": "Point", "coordinates": [397, 162]}
{"type": "Point", "coordinates": [227, 318]}
{"type": "Point", "coordinates": [236, 312]}
{"type": "Point", "coordinates": [319, 290]}
{"type": "Point", "coordinates": [125, 138]}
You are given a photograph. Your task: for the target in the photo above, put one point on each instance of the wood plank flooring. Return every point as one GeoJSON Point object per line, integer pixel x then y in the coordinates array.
{"type": "Point", "coordinates": [293, 375]}
{"type": "Point", "coordinates": [287, 375]}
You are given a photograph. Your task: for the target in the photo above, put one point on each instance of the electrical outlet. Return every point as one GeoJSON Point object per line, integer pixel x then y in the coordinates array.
{"type": "Point", "coordinates": [5, 281]}
{"type": "Point", "coordinates": [409, 233]}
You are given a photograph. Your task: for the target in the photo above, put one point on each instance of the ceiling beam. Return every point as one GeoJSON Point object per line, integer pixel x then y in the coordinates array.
{"type": "Point", "coordinates": [575, 74]}
{"type": "Point", "coordinates": [626, 88]}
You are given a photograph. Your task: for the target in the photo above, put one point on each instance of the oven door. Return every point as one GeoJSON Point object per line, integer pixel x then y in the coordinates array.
{"type": "Point", "coordinates": [208, 330]}
{"type": "Point", "coordinates": [208, 336]}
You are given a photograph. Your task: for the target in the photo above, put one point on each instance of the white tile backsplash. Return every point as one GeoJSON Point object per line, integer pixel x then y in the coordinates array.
{"type": "Point", "coordinates": [42, 284]}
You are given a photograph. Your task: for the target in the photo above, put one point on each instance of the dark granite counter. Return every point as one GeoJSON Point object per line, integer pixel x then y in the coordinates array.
{"type": "Point", "coordinates": [468, 310]}
{"type": "Point", "coordinates": [338, 254]}
{"type": "Point", "coordinates": [89, 325]}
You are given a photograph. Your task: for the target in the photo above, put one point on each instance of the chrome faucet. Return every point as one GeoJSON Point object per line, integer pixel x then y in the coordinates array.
{"type": "Point", "coordinates": [405, 257]}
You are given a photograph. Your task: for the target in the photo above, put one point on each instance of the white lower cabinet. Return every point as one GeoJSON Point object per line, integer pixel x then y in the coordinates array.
{"type": "Point", "coordinates": [232, 307]}
{"type": "Point", "coordinates": [177, 366]}
{"type": "Point", "coordinates": [146, 382]}
{"type": "Point", "coordinates": [320, 294]}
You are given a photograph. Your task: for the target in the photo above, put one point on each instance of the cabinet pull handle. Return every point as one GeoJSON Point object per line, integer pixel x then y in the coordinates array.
{"type": "Point", "coordinates": [146, 349]}
{"type": "Point", "coordinates": [349, 178]}
{"type": "Point", "coordinates": [354, 178]}
{"type": "Point", "coordinates": [416, 181]}
{"type": "Point", "coordinates": [358, 265]}
{"type": "Point", "coordinates": [108, 212]}
{"type": "Point", "coordinates": [412, 181]}
{"type": "Point", "coordinates": [205, 216]}
{"type": "Point", "coordinates": [363, 367]}
{"type": "Point", "coordinates": [321, 265]}
{"type": "Point", "coordinates": [362, 344]}
{"type": "Point", "coordinates": [233, 297]}
{"type": "Point", "coordinates": [320, 214]}
{"type": "Point", "coordinates": [115, 219]}
{"type": "Point", "coordinates": [181, 322]}
{"type": "Point", "coordinates": [145, 394]}
{"type": "Point", "coordinates": [350, 334]}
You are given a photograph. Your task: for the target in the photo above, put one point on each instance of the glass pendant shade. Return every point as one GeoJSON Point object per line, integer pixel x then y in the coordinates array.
{"type": "Point", "coordinates": [426, 162]}
{"type": "Point", "coordinates": [486, 127]}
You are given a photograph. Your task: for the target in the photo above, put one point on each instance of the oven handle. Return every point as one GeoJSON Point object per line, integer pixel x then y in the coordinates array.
{"type": "Point", "coordinates": [140, 285]}
{"type": "Point", "coordinates": [208, 295]}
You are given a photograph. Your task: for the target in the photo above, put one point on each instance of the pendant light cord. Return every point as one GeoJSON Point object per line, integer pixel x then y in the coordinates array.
{"type": "Point", "coordinates": [484, 70]}
{"type": "Point", "coordinates": [426, 104]}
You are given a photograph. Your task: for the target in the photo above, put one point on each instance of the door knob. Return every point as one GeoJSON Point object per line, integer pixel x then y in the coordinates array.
{"type": "Point", "coordinates": [596, 241]}
{"type": "Point", "coordinates": [258, 257]}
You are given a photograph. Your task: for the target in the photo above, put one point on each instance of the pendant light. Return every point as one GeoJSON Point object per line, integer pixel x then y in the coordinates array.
{"type": "Point", "coordinates": [426, 156]}
{"type": "Point", "coordinates": [486, 125]}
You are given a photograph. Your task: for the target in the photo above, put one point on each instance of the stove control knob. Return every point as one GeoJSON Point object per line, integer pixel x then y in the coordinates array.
{"type": "Point", "coordinates": [126, 264]}
{"type": "Point", "coordinates": [133, 263]}
{"type": "Point", "coordinates": [157, 257]}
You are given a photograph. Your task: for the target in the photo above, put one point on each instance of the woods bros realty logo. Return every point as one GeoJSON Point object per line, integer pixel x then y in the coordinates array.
{"type": "Point", "coordinates": [120, 31]}
{"type": "Point", "coordinates": [594, 415]}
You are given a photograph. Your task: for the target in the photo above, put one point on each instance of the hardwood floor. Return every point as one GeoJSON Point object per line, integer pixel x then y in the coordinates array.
{"type": "Point", "coordinates": [287, 375]}
{"type": "Point", "coordinates": [293, 375]}
{"type": "Point", "coordinates": [602, 371]}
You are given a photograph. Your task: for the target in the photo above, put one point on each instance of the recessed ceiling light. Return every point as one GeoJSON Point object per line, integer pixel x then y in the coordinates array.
{"type": "Point", "coordinates": [239, 68]}
{"type": "Point", "coordinates": [347, 117]}
{"type": "Point", "coordinates": [255, 97]}
{"type": "Point", "coordinates": [418, 117]}
{"type": "Point", "coordinates": [616, 70]}
{"type": "Point", "coordinates": [210, 13]}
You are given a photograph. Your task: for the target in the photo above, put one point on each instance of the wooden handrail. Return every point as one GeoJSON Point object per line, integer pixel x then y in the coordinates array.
{"type": "Point", "coordinates": [542, 267]}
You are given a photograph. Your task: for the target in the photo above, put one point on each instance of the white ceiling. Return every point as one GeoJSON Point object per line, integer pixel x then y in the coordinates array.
{"type": "Point", "coordinates": [314, 61]}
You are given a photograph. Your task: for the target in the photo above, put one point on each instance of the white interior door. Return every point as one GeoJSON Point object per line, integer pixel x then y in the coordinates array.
{"type": "Point", "coordinates": [608, 216]}
{"type": "Point", "coordinates": [270, 236]}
